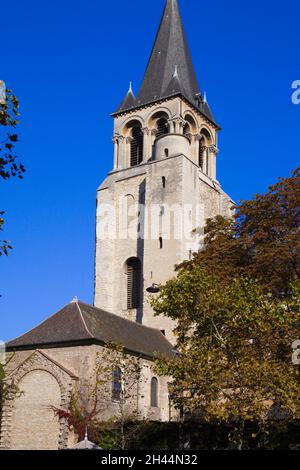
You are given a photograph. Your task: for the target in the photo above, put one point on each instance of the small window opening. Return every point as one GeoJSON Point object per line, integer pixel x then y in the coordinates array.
{"type": "Point", "coordinates": [154, 392]}
{"type": "Point", "coordinates": [160, 243]}
{"type": "Point", "coordinates": [117, 384]}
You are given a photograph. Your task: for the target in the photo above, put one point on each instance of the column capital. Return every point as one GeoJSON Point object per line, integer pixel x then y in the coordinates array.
{"type": "Point", "coordinates": [179, 120]}
{"type": "Point", "coordinates": [118, 138]}
{"type": "Point", "coordinates": [146, 130]}
{"type": "Point", "coordinates": [153, 131]}
{"type": "Point", "coordinates": [199, 137]}
{"type": "Point", "coordinates": [214, 150]}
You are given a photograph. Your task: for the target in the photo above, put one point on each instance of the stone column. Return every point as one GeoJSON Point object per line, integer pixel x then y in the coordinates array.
{"type": "Point", "coordinates": [147, 143]}
{"type": "Point", "coordinates": [127, 148]}
{"type": "Point", "coordinates": [205, 160]}
{"type": "Point", "coordinates": [194, 148]}
{"type": "Point", "coordinates": [213, 152]}
{"type": "Point", "coordinates": [179, 125]}
{"type": "Point", "coordinates": [171, 126]}
{"type": "Point", "coordinates": [116, 141]}
{"type": "Point", "coordinates": [153, 133]}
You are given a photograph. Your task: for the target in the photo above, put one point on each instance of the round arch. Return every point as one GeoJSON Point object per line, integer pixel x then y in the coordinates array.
{"type": "Point", "coordinates": [34, 424]}
{"type": "Point", "coordinates": [133, 272]}
{"type": "Point", "coordinates": [207, 135]}
{"type": "Point", "coordinates": [191, 119]}
{"type": "Point", "coordinates": [127, 125]}
{"type": "Point", "coordinates": [40, 364]}
{"type": "Point", "coordinates": [162, 110]}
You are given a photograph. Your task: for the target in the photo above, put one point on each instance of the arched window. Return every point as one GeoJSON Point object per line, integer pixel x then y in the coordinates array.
{"type": "Point", "coordinates": [161, 243]}
{"type": "Point", "coordinates": [186, 129]}
{"type": "Point", "coordinates": [162, 127]}
{"type": "Point", "coordinates": [154, 392]}
{"type": "Point", "coordinates": [204, 144]}
{"type": "Point", "coordinates": [117, 384]}
{"type": "Point", "coordinates": [137, 146]}
{"type": "Point", "coordinates": [134, 273]}
{"type": "Point", "coordinates": [163, 180]}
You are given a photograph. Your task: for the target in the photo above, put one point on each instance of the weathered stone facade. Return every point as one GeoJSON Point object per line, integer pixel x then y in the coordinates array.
{"type": "Point", "coordinates": [173, 159]}
{"type": "Point", "coordinates": [27, 421]}
{"type": "Point", "coordinates": [48, 379]}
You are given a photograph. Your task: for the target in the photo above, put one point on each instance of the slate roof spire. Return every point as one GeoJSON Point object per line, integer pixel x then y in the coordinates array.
{"type": "Point", "coordinates": [129, 101]}
{"type": "Point", "coordinates": [170, 52]}
{"type": "Point", "coordinates": [170, 70]}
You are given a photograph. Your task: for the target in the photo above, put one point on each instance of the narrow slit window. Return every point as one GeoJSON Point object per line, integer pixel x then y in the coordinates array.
{"type": "Point", "coordinates": [154, 392]}
{"type": "Point", "coordinates": [117, 384]}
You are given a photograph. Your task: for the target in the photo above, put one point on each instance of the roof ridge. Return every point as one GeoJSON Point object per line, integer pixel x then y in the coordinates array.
{"type": "Point", "coordinates": [124, 319]}
{"type": "Point", "coordinates": [83, 320]}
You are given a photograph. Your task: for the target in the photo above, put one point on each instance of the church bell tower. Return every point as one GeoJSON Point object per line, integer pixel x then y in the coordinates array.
{"type": "Point", "coordinates": [152, 207]}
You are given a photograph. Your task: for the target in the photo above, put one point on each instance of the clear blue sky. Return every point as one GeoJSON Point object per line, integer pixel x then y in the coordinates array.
{"type": "Point", "coordinates": [70, 63]}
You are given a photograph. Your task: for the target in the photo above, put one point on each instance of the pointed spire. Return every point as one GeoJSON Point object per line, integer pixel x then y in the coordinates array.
{"type": "Point", "coordinates": [170, 52]}
{"type": "Point", "coordinates": [205, 108]}
{"type": "Point", "coordinates": [170, 69]}
{"type": "Point", "coordinates": [129, 101]}
{"type": "Point", "coordinates": [175, 86]}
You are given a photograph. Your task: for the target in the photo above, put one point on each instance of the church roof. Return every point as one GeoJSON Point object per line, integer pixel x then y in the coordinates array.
{"type": "Point", "coordinates": [80, 323]}
{"type": "Point", "coordinates": [128, 102]}
{"type": "Point", "coordinates": [170, 53]}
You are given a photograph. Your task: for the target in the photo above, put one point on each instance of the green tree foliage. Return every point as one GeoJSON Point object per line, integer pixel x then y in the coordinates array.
{"type": "Point", "coordinates": [237, 310]}
{"type": "Point", "coordinates": [235, 344]}
{"type": "Point", "coordinates": [262, 241]}
{"type": "Point", "coordinates": [9, 166]}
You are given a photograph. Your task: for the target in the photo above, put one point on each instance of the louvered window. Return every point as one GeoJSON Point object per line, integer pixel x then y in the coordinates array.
{"type": "Point", "coordinates": [154, 392]}
{"type": "Point", "coordinates": [137, 146]}
{"type": "Point", "coordinates": [162, 127]}
{"type": "Point", "coordinates": [133, 283]}
{"type": "Point", "coordinates": [201, 158]}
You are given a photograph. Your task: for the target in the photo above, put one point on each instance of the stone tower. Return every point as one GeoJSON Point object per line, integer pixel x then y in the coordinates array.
{"type": "Point", "coordinates": [153, 204]}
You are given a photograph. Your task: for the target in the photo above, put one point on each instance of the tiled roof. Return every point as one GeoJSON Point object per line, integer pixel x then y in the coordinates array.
{"type": "Point", "coordinates": [82, 323]}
